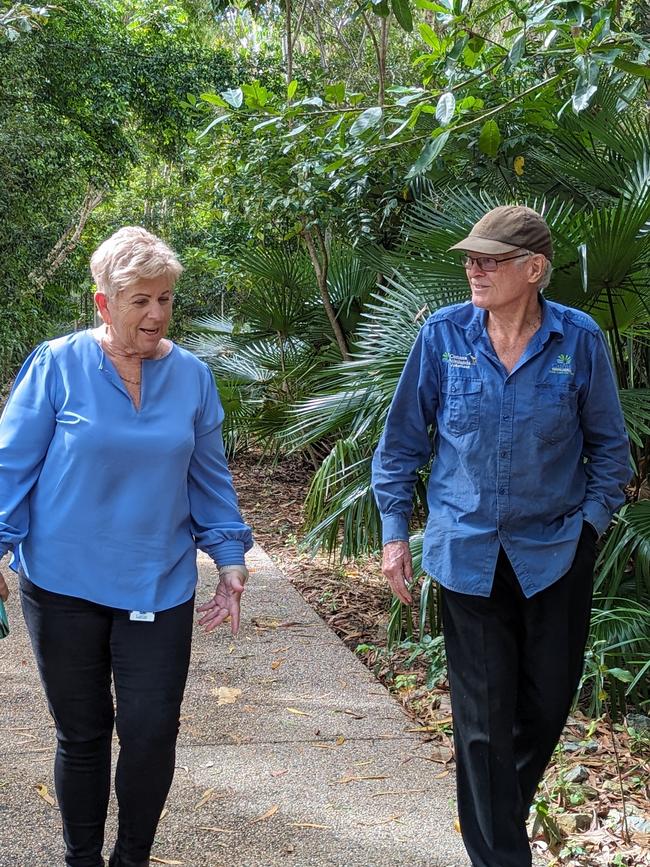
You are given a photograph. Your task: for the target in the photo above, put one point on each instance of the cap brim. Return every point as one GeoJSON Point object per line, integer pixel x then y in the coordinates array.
{"type": "Point", "coordinates": [474, 244]}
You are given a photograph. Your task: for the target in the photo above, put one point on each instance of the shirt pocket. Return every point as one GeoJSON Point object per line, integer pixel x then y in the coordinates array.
{"type": "Point", "coordinates": [555, 412]}
{"type": "Point", "coordinates": [461, 411]}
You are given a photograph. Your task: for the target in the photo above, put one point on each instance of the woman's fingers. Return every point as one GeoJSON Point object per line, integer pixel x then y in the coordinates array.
{"type": "Point", "coordinates": [4, 589]}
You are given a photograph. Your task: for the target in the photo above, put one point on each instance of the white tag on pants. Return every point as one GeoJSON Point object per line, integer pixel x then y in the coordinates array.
{"type": "Point", "coordinates": [142, 616]}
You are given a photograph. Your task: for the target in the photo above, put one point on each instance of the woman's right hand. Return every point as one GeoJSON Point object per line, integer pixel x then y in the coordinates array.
{"type": "Point", "coordinates": [4, 590]}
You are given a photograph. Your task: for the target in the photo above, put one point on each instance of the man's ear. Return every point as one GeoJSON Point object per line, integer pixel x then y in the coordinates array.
{"type": "Point", "coordinates": [537, 265]}
{"type": "Point", "coordinates": [101, 302]}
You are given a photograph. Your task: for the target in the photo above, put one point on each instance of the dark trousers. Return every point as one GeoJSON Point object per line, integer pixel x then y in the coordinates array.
{"type": "Point", "coordinates": [514, 666]}
{"type": "Point", "coordinates": [78, 645]}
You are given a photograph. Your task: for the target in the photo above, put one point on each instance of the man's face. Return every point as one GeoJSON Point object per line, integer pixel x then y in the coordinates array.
{"type": "Point", "coordinates": [516, 277]}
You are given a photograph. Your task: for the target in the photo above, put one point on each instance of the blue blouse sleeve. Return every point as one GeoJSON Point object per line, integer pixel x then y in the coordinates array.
{"type": "Point", "coordinates": [26, 430]}
{"type": "Point", "coordinates": [217, 524]}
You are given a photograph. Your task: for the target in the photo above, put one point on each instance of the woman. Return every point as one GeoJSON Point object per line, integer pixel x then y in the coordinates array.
{"type": "Point", "coordinates": [112, 474]}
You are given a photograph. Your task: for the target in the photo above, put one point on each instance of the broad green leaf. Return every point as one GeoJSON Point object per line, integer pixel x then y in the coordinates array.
{"type": "Point", "coordinates": [381, 8]}
{"type": "Point", "coordinates": [265, 123]}
{"type": "Point", "coordinates": [296, 130]}
{"type": "Point", "coordinates": [621, 674]}
{"type": "Point", "coordinates": [217, 120]}
{"type": "Point", "coordinates": [445, 108]}
{"type": "Point", "coordinates": [632, 68]}
{"type": "Point", "coordinates": [233, 97]}
{"type": "Point", "coordinates": [292, 87]}
{"type": "Point", "coordinates": [428, 154]}
{"type": "Point", "coordinates": [369, 118]}
{"type": "Point", "coordinates": [335, 92]}
{"type": "Point", "coordinates": [402, 11]}
{"type": "Point", "coordinates": [432, 7]}
{"type": "Point", "coordinates": [490, 138]}
{"type": "Point", "coordinates": [586, 85]}
{"type": "Point", "coordinates": [430, 36]}
{"type": "Point", "coordinates": [311, 100]}
{"type": "Point", "coordinates": [214, 99]}
{"type": "Point", "coordinates": [337, 164]}
{"type": "Point", "coordinates": [517, 50]}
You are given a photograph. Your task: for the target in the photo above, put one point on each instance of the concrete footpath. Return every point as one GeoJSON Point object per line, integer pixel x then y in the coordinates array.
{"type": "Point", "coordinates": [290, 752]}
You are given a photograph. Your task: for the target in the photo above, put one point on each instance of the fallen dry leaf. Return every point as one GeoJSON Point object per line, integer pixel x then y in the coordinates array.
{"type": "Point", "coordinates": [353, 714]}
{"type": "Point", "coordinates": [399, 792]}
{"type": "Point", "coordinates": [163, 814]}
{"type": "Point", "coordinates": [41, 790]}
{"type": "Point", "coordinates": [280, 773]}
{"type": "Point", "coordinates": [457, 825]}
{"type": "Point", "coordinates": [164, 860]}
{"type": "Point", "coordinates": [226, 694]}
{"type": "Point", "coordinates": [297, 712]}
{"type": "Point", "coordinates": [385, 821]}
{"type": "Point", "coordinates": [356, 779]}
{"type": "Point", "coordinates": [310, 825]}
{"type": "Point", "coordinates": [270, 812]}
{"type": "Point", "coordinates": [277, 663]}
{"type": "Point", "coordinates": [340, 741]}
{"type": "Point", "coordinates": [205, 797]}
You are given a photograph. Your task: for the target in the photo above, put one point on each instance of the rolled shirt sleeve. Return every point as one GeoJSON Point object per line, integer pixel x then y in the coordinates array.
{"type": "Point", "coordinates": [217, 524]}
{"type": "Point", "coordinates": [26, 429]}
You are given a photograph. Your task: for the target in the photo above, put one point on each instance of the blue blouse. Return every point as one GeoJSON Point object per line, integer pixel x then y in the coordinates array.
{"type": "Point", "coordinates": [105, 502]}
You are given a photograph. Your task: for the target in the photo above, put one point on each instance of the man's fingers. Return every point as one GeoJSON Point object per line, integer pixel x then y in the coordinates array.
{"type": "Point", "coordinates": [234, 617]}
{"type": "Point", "coordinates": [399, 588]}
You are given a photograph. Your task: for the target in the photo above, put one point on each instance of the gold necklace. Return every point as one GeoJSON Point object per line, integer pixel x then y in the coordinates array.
{"type": "Point", "coordinates": [123, 355]}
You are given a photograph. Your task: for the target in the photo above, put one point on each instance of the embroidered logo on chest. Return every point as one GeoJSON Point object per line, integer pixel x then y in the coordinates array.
{"type": "Point", "coordinates": [562, 365]}
{"type": "Point", "coordinates": [452, 360]}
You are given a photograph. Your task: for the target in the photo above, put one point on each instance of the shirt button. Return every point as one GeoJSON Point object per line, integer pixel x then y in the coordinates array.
{"type": "Point", "coordinates": [502, 490]}
{"type": "Point", "coordinates": [505, 417]}
{"type": "Point", "coordinates": [504, 454]}
{"type": "Point", "coordinates": [453, 388]}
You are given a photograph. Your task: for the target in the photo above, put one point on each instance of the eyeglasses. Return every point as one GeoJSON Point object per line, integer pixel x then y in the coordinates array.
{"type": "Point", "coordinates": [487, 263]}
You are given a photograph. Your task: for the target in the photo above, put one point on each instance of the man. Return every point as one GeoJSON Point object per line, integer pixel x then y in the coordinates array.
{"type": "Point", "coordinates": [530, 462]}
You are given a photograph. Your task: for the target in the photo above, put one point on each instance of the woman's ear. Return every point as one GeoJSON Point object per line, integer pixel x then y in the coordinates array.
{"type": "Point", "coordinates": [101, 302]}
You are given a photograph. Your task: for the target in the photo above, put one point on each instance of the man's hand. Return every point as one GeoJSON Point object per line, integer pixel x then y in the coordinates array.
{"type": "Point", "coordinates": [224, 603]}
{"type": "Point", "coordinates": [4, 590]}
{"type": "Point", "coordinates": [397, 566]}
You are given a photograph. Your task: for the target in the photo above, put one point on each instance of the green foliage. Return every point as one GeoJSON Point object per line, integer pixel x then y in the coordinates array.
{"type": "Point", "coordinates": [89, 99]}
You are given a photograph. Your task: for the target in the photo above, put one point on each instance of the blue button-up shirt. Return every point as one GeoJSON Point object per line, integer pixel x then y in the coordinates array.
{"type": "Point", "coordinates": [520, 459]}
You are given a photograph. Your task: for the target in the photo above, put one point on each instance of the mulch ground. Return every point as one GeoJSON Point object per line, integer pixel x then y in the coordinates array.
{"type": "Point", "coordinates": [594, 806]}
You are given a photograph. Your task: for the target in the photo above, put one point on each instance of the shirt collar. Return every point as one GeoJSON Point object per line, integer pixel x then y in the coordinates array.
{"type": "Point", "coordinates": [551, 322]}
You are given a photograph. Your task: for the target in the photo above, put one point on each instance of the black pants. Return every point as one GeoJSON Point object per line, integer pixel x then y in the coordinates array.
{"type": "Point", "coordinates": [78, 645]}
{"type": "Point", "coordinates": [514, 666]}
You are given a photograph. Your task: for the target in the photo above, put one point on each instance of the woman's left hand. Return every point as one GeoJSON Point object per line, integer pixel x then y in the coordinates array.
{"type": "Point", "coordinates": [224, 603]}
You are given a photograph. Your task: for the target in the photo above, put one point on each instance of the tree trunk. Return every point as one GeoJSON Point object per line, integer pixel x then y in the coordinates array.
{"type": "Point", "coordinates": [321, 266]}
{"type": "Point", "coordinates": [289, 41]}
{"type": "Point", "coordinates": [68, 240]}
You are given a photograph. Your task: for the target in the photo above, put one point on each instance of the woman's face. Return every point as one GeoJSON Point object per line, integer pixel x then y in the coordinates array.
{"type": "Point", "coordinates": [139, 314]}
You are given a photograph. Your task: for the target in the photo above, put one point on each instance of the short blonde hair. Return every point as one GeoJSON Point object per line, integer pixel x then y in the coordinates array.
{"type": "Point", "coordinates": [131, 254]}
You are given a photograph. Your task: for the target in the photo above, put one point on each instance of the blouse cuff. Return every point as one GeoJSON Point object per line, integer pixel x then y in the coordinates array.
{"type": "Point", "coordinates": [227, 553]}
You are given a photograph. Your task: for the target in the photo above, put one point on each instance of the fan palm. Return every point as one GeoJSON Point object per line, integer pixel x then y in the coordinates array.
{"type": "Point", "coordinates": [602, 264]}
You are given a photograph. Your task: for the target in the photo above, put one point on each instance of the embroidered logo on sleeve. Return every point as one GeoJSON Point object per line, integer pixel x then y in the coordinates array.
{"type": "Point", "coordinates": [563, 365]}
{"type": "Point", "coordinates": [459, 360]}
